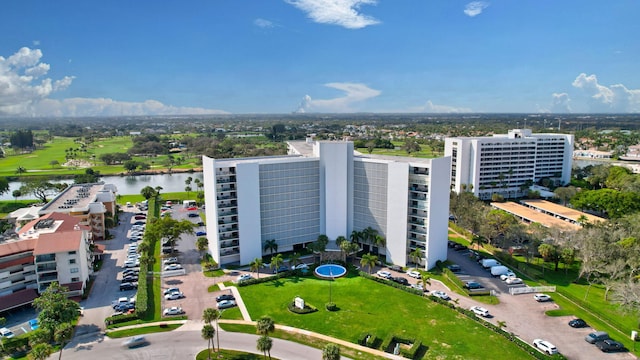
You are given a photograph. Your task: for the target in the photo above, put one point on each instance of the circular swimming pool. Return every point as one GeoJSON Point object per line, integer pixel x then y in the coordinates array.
{"type": "Point", "coordinates": [328, 271]}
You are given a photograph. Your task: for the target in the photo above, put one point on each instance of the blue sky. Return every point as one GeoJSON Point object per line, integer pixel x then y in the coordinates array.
{"type": "Point", "coordinates": [143, 57]}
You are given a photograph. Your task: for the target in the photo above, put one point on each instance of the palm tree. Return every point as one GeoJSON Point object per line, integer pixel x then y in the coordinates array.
{"type": "Point", "coordinates": [62, 335]}
{"type": "Point", "coordinates": [265, 325]}
{"type": "Point", "coordinates": [255, 265]}
{"type": "Point", "coordinates": [356, 236]}
{"type": "Point", "coordinates": [425, 279]}
{"type": "Point", "coordinates": [369, 234]}
{"type": "Point", "coordinates": [415, 256]}
{"type": "Point", "coordinates": [340, 239]}
{"type": "Point", "coordinates": [331, 352]}
{"type": "Point", "coordinates": [271, 245]}
{"type": "Point", "coordinates": [276, 262]}
{"type": "Point", "coordinates": [368, 260]}
{"type": "Point", "coordinates": [40, 351]}
{"type": "Point", "coordinates": [265, 344]}
{"type": "Point", "coordinates": [202, 243]}
{"type": "Point", "coordinates": [294, 259]}
{"type": "Point", "coordinates": [207, 333]}
{"type": "Point", "coordinates": [379, 241]}
{"type": "Point", "coordinates": [21, 170]}
{"type": "Point", "coordinates": [209, 315]}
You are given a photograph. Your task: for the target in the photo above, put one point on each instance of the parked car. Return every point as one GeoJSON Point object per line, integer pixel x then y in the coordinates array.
{"type": "Point", "coordinates": [131, 263]}
{"type": "Point", "coordinates": [135, 238]}
{"type": "Point", "coordinates": [224, 304]}
{"type": "Point", "coordinates": [33, 324]}
{"type": "Point", "coordinates": [169, 261]}
{"type": "Point", "coordinates": [542, 297]}
{"type": "Point", "coordinates": [545, 346]}
{"type": "Point", "coordinates": [139, 222]}
{"type": "Point", "coordinates": [441, 294]}
{"type": "Point", "coordinates": [140, 217]}
{"type": "Point", "coordinates": [225, 297]}
{"type": "Point", "coordinates": [134, 342]}
{"type": "Point", "coordinates": [192, 208]}
{"type": "Point", "coordinates": [201, 223]}
{"type": "Point", "coordinates": [201, 233]}
{"type": "Point", "coordinates": [454, 268]}
{"type": "Point", "coordinates": [130, 272]}
{"type": "Point", "coordinates": [193, 215]}
{"type": "Point", "coordinates": [174, 296]}
{"type": "Point", "coordinates": [401, 280]}
{"type": "Point", "coordinates": [480, 311]}
{"type": "Point", "coordinates": [174, 310]}
{"type": "Point", "coordinates": [384, 274]}
{"type": "Point", "coordinates": [577, 323]}
{"type": "Point", "coordinates": [172, 267]}
{"type": "Point", "coordinates": [300, 266]}
{"type": "Point", "coordinates": [596, 336]}
{"type": "Point", "coordinates": [280, 269]}
{"type": "Point", "coordinates": [130, 278]}
{"type": "Point", "coordinates": [414, 274]}
{"type": "Point", "coordinates": [509, 274]}
{"type": "Point", "coordinates": [610, 346]}
{"type": "Point", "coordinates": [6, 333]}
{"type": "Point", "coordinates": [472, 285]}
{"type": "Point", "coordinates": [244, 277]}
{"type": "Point", "coordinates": [171, 290]}
{"type": "Point", "coordinates": [397, 268]}
{"type": "Point", "coordinates": [513, 281]}
{"type": "Point", "coordinates": [128, 286]}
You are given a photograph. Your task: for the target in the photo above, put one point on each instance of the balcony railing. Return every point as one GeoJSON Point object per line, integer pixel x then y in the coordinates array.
{"type": "Point", "coordinates": [47, 267]}
{"type": "Point", "coordinates": [45, 258]}
{"type": "Point", "coordinates": [46, 278]}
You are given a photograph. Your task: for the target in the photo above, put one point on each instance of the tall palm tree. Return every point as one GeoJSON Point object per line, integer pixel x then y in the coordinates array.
{"type": "Point", "coordinates": [62, 335]}
{"type": "Point", "coordinates": [255, 265]}
{"type": "Point", "coordinates": [209, 315]}
{"type": "Point", "coordinates": [207, 333]}
{"type": "Point", "coordinates": [369, 234]}
{"type": "Point", "coordinates": [415, 256]}
{"type": "Point", "coordinates": [40, 351]}
{"type": "Point", "coordinates": [265, 344]}
{"type": "Point", "coordinates": [276, 262]}
{"type": "Point", "coordinates": [331, 352]}
{"type": "Point", "coordinates": [294, 259]}
{"type": "Point", "coordinates": [340, 239]}
{"type": "Point", "coordinates": [379, 241]}
{"type": "Point", "coordinates": [271, 245]}
{"type": "Point", "coordinates": [425, 279]}
{"type": "Point", "coordinates": [368, 260]}
{"type": "Point", "coordinates": [265, 325]}
{"type": "Point", "coordinates": [356, 236]}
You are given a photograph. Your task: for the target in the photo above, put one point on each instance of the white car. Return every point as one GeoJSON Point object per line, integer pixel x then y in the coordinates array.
{"type": "Point", "coordinates": [172, 267]}
{"type": "Point", "coordinates": [169, 261]}
{"type": "Point", "coordinates": [384, 274]}
{"type": "Point", "coordinates": [171, 290]}
{"type": "Point", "coordinates": [244, 277]}
{"type": "Point", "coordinates": [414, 274]}
{"type": "Point", "coordinates": [6, 333]}
{"type": "Point", "coordinates": [174, 296]}
{"type": "Point", "coordinates": [542, 297]}
{"type": "Point", "coordinates": [545, 346]}
{"type": "Point", "coordinates": [131, 263]}
{"type": "Point", "coordinates": [513, 281]}
{"type": "Point", "coordinates": [480, 311]}
{"type": "Point", "coordinates": [174, 310]}
{"type": "Point", "coordinates": [300, 266]}
{"type": "Point", "coordinates": [441, 294]}
{"type": "Point", "coordinates": [509, 274]}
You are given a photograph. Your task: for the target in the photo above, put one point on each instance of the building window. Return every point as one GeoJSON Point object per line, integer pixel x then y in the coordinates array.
{"type": "Point", "coordinates": [75, 279]}
{"type": "Point", "coordinates": [72, 252]}
{"type": "Point", "coordinates": [72, 261]}
{"type": "Point", "coordinates": [74, 270]}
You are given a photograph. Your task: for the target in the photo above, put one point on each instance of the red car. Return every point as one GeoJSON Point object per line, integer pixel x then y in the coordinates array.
{"type": "Point", "coordinates": [140, 217]}
{"type": "Point", "coordinates": [193, 208]}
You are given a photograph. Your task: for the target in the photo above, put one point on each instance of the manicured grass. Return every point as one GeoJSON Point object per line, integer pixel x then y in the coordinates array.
{"type": "Point", "coordinates": [426, 152]}
{"type": "Point", "coordinates": [301, 339]}
{"type": "Point", "coordinates": [142, 330]}
{"type": "Point", "coordinates": [232, 314]}
{"type": "Point", "coordinates": [225, 354]}
{"type": "Point", "coordinates": [369, 306]}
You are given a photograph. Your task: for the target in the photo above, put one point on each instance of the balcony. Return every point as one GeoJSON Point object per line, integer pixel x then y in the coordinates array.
{"type": "Point", "coordinates": [420, 171]}
{"type": "Point", "coordinates": [417, 204]}
{"type": "Point", "coordinates": [416, 230]}
{"type": "Point", "coordinates": [420, 222]}
{"type": "Point", "coordinates": [227, 213]}
{"type": "Point", "coordinates": [45, 258]}
{"type": "Point", "coordinates": [229, 252]}
{"type": "Point", "coordinates": [228, 244]}
{"type": "Point", "coordinates": [48, 278]}
{"type": "Point", "coordinates": [415, 196]}
{"type": "Point", "coordinates": [47, 268]}
{"type": "Point", "coordinates": [227, 204]}
{"type": "Point", "coordinates": [227, 228]}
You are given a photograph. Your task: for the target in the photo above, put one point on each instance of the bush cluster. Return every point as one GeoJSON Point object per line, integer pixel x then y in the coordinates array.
{"type": "Point", "coordinates": [120, 319]}
{"type": "Point", "coordinates": [307, 308]}
{"type": "Point", "coordinates": [331, 306]}
{"type": "Point", "coordinates": [392, 339]}
{"type": "Point", "coordinates": [266, 278]}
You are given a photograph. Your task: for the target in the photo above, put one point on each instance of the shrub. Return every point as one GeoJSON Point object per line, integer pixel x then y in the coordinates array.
{"type": "Point", "coordinates": [307, 308]}
{"type": "Point", "coordinates": [362, 339]}
{"type": "Point", "coordinates": [331, 306]}
{"type": "Point", "coordinates": [120, 319]}
{"type": "Point", "coordinates": [373, 342]}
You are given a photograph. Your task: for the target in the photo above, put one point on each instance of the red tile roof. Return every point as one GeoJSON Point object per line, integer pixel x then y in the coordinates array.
{"type": "Point", "coordinates": [18, 298]}
{"type": "Point", "coordinates": [17, 247]}
{"type": "Point", "coordinates": [99, 248]}
{"type": "Point", "coordinates": [69, 222]}
{"type": "Point", "coordinates": [28, 259]}
{"type": "Point", "coordinates": [58, 242]}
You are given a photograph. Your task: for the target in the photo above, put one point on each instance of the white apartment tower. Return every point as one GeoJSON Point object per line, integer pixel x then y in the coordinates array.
{"type": "Point", "coordinates": [507, 164]}
{"type": "Point", "coordinates": [326, 188]}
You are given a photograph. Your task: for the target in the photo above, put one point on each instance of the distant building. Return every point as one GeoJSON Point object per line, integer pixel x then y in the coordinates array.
{"type": "Point", "coordinates": [88, 202]}
{"type": "Point", "coordinates": [324, 188]}
{"type": "Point", "coordinates": [52, 248]}
{"type": "Point", "coordinates": [507, 164]}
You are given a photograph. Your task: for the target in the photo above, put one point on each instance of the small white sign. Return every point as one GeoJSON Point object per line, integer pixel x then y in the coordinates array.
{"type": "Point", "coordinates": [299, 302]}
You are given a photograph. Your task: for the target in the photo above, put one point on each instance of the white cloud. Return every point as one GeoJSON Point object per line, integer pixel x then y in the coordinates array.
{"type": "Point", "coordinates": [430, 107]}
{"type": "Point", "coordinates": [560, 103]}
{"type": "Point", "coordinates": [344, 13]}
{"type": "Point", "coordinates": [263, 23]}
{"type": "Point", "coordinates": [475, 8]}
{"type": "Point", "coordinates": [21, 95]}
{"type": "Point", "coordinates": [613, 98]}
{"type": "Point", "coordinates": [20, 86]}
{"type": "Point", "coordinates": [354, 93]}
{"type": "Point", "coordinates": [109, 107]}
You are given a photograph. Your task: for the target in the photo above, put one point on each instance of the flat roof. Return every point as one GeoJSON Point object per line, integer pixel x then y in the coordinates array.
{"type": "Point", "coordinates": [74, 198]}
{"type": "Point", "coordinates": [532, 215]}
{"type": "Point", "coordinates": [560, 210]}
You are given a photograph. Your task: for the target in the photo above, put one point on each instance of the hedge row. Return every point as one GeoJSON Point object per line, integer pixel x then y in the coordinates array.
{"type": "Point", "coordinates": [120, 319]}
{"type": "Point", "coordinates": [266, 278]}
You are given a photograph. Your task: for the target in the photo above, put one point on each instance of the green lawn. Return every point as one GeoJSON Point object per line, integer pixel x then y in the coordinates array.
{"type": "Point", "coordinates": [116, 334]}
{"type": "Point", "coordinates": [367, 306]}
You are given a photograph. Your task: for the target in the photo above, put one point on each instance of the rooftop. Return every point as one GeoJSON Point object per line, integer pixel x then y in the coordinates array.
{"type": "Point", "coordinates": [532, 215]}
{"type": "Point", "coordinates": [75, 198]}
{"type": "Point", "coordinates": [50, 223]}
{"type": "Point", "coordinates": [560, 210]}
{"type": "Point", "coordinates": [58, 242]}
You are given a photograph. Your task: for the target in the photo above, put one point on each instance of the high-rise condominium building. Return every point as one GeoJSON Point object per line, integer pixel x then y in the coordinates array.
{"type": "Point", "coordinates": [508, 164]}
{"type": "Point", "coordinates": [324, 188]}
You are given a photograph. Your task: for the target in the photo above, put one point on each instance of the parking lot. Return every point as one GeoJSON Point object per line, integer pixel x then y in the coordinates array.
{"type": "Point", "coordinates": [526, 317]}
